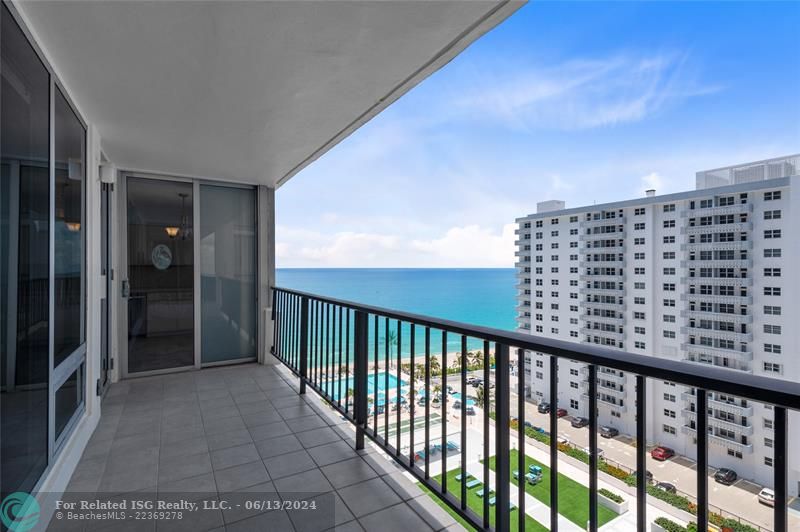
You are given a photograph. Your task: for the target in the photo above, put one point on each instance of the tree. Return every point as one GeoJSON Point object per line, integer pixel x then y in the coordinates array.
{"type": "Point", "coordinates": [482, 394]}
{"type": "Point", "coordinates": [457, 362]}
{"type": "Point", "coordinates": [436, 367]}
{"type": "Point", "coordinates": [476, 359]}
{"type": "Point", "coordinates": [391, 339]}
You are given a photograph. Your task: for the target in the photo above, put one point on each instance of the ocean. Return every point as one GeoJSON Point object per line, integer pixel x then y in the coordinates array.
{"type": "Point", "coordinates": [478, 296]}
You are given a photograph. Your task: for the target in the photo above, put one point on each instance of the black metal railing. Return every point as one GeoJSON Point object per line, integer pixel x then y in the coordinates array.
{"type": "Point", "coordinates": [356, 357]}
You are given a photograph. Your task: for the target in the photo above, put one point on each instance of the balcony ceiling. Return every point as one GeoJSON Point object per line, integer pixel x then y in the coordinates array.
{"type": "Point", "coordinates": [245, 91]}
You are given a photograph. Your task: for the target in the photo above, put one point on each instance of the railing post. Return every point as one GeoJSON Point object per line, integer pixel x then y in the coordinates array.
{"type": "Point", "coordinates": [702, 460]}
{"type": "Point", "coordinates": [779, 465]}
{"type": "Point", "coordinates": [361, 368]}
{"type": "Point", "coordinates": [502, 439]}
{"type": "Point", "coordinates": [303, 343]}
{"type": "Point", "coordinates": [641, 451]}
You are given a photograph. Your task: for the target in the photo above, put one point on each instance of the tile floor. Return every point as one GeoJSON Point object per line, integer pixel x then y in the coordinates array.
{"type": "Point", "coordinates": [243, 430]}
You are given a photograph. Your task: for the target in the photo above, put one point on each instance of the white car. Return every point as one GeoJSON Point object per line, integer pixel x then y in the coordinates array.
{"type": "Point", "coordinates": [766, 496]}
{"type": "Point", "coordinates": [563, 440]}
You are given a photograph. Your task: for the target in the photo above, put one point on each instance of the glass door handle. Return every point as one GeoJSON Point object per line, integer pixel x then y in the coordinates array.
{"type": "Point", "coordinates": [126, 288]}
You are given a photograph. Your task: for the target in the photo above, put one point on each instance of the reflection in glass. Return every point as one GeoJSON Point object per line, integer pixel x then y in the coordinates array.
{"type": "Point", "coordinates": [70, 144]}
{"type": "Point", "coordinates": [24, 238]}
{"type": "Point", "coordinates": [161, 275]}
{"type": "Point", "coordinates": [69, 398]}
{"type": "Point", "coordinates": [228, 273]}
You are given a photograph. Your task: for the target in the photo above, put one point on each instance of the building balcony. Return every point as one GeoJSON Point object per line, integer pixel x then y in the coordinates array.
{"type": "Point", "coordinates": [720, 441]}
{"type": "Point", "coordinates": [607, 401]}
{"type": "Point", "coordinates": [618, 306]}
{"type": "Point", "coordinates": [734, 300]}
{"type": "Point", "coordinates": [738, 245]}
{"type": "Point", "coordinates": [721, 335]}
{"type": "Point", "coordinates": [738, 208]}
{"type": "Point", "coordinates": [616, 235]}
{"type": "Point", "coordinates": [585, 224]}
{"type": "Point", "coordinates": [717, 263]}
{"type": "Point", "coordinates": [612, 263]}
{"type": "Point", "coordinates": [602, 291]}
{"type": "Point", "coordinates": [602, 277]}
{"type": "Point", "coordinates": [737, 227]}
{"type": "Point", "coordinates": [616, 335]}
{"type": "Point", "coordinates": [718, 281]}
{"type": "Point", "coordinates": [723, 406]}
{"type": "Point", "coordinates": [745, 430]}
{"type": "Point", "coordinates": [735, 365]}
{"type": "Point", "coordinates": [589, 318]}
{"type": "Point", "coordinates": [698, 350]}
{"type": "Point", "coordinates": [718, 316]}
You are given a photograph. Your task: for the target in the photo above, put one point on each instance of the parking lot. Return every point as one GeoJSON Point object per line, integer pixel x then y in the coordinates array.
{"type": "Point", "coordinates": [739, 499]}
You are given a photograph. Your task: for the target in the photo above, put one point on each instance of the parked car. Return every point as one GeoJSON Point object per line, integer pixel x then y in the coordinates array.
{"type": "Point", "coordinates": [544, 408]}
{"type": "Point", "coordinates": [528, 425]}
{"type": "Point", "coordinates": [648, 475]}
{"type": "Point", "coordinates": [725, 476]}
{"type": "Point", "coordinates": [662, 453]}
{"type": "Point", "coordinates": [579, 422]}
{"type": "Point", "coordinates": [562, 440]}
{"type": "Point", "coordinates": [470, 411]}
{"type": "Point", "coordinates": [561, 412]}
{"type": "Point", "coordinates": [766, 496]}
{"type": "Point", "coordinates": [666, 486]}
{"type": "Point", "coordinates": [608, 432]}
{"type": "Point", "coordinates": [600, 452]}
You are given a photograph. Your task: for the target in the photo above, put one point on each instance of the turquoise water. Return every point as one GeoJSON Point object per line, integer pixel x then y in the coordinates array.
{"type": "Point", "coordinates": [457, 397]}
{"type": "Point", "coordinates": [381, 386]}
{"type": "Point", "coordinates": [471, 295]}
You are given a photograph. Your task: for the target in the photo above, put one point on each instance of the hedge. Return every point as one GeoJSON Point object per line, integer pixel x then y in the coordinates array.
{"type": "Point", "coordinates": [608, 494]}
{"type": "Point", "coordinates": [672, 526]}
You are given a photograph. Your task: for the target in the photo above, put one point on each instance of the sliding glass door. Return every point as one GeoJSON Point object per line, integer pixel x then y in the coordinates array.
{"type": "Point", "coordinates": [160, 274]}
{"type": "Point", "coordinates": [228, 273]}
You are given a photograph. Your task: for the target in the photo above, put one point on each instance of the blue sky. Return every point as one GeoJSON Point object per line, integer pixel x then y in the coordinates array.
{"type": "Point", "coordinates": [580, 101]}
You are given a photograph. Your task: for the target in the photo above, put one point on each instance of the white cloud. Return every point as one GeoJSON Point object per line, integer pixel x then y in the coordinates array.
{"type": "Point", "coordinates": [469, 246]}
{"type": "Point", "coordinates": [584, 93]}
{"type": "Point", "coordinates": [654, 181]}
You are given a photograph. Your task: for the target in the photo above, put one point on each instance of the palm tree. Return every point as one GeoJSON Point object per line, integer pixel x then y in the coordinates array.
{"type": "Point", "coordinates": [436, 368]}
{"type": "Point", "coordinates": [481, 396]}
{"type": "Point", "coordinates": [457, 362]}
{"type": "Point", "coordinates": [476, 359]}
{"type": "Point", "coordinates": [392, 341]}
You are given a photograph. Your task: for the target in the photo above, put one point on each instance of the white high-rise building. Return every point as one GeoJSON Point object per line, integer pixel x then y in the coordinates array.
{"type": "Point", "coordinates": [707, 276]}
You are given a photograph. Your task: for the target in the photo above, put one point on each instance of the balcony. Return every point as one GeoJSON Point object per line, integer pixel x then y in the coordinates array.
{"type": "Point", "coordinates": [709, 298]}
{"type": "Point", "coordinates": [602, 277]}
{"type": "Point", "coordinates": [718, 316]}
{"type": "Point", "coordinates": [305, 353]}
{"type": "Point", "coordinates": [718, 334]}
{"type": "Point", "coordinates": [611, 263]}
{"type": "Point", "coordinates": [718, 281]}
{"type": "Point", "coordinates": [738, 245]}
{"type": "Point", "coordinates": [616, 335]}
{"type": "Point", "coordinates": [718, 263]}
{"type": "Point", "coordinates": [723, 406]}
{"type": "Point", "coordinates": [587, 290]}
{"type": "Point", "coordinates": [584, 224]}
{"type": "Point", "coordinates": [619, 320]}
{"type": "Point", "coordinates": [736, 354]}
{"type": "Point", "coordinates": [616, 235]}
{"type": "Point", "coordinates": [716, 228]}
{"type": "Point", "coordinates": [720, 441]}
{"type": "Point", "coordinates": [617, 306]}
{"type": "Point", "coordinates": [746, 430]}
{"type": "Point", "coordinates": [739, 208]}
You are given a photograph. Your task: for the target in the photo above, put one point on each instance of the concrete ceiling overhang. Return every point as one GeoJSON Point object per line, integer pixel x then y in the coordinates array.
{"type": "Point", "coordinates": [245, 91]}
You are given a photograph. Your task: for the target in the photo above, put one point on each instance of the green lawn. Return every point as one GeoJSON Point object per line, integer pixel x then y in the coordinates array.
{"type": "Point", "coordinates": [476, 504]}
{"type": "Point", "coordinates": [573, 497]}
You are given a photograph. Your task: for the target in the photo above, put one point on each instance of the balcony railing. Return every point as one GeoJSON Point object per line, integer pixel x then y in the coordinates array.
{"type": "Point", "coordinates": [338, 347]}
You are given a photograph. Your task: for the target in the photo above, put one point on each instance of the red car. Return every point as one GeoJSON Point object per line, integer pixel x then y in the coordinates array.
{"type": "Point", "coordinates": [561, 412]}
{"type": "Point", "coordinates": [662, 453]}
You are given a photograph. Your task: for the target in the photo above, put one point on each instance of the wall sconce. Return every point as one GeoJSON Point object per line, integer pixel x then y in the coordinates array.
{"type": "Point", "coordinates": [172, 232]}
{"type": "Point", "coordinates": [73, 226]}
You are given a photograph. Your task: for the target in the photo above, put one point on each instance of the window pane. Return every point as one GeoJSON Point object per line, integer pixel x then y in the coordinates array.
{"type": "Point", "coordinates": [68, 399]}
{"type": "Point", "coordinates": [24, 238]}
{"type": "Point", "coordinates": [70, 144]}
{"type": "Point", "coordinates": [228, 272]}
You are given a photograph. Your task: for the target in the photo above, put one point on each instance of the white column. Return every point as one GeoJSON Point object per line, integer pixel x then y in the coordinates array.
{"type": "Point", "coordinates": [266, 271]}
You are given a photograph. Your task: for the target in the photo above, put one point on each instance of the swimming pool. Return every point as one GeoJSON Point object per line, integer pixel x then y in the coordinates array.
{"type": "Point", "coordinates": [371, 386]}
{"type": "Point", "coordinates": [457, 397]}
